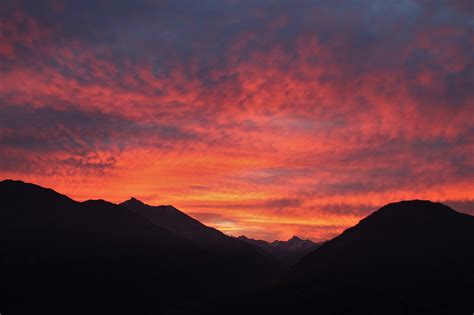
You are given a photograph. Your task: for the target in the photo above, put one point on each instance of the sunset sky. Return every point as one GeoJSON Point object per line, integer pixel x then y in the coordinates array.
{"type": "Point", "coordinates": [263, 118]}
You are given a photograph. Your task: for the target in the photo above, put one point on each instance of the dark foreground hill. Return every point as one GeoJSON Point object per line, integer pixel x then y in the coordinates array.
{"type": "Point", "coordinates": [289, 252]}
{"type": "Point", "coordinates": [411, 257]}
{"type": "Point", "coordinates": [181, 224]}
{"type": "Point", "coordinates": [172, 219]}
{"type": "Point", "coordinates": [59, 256]}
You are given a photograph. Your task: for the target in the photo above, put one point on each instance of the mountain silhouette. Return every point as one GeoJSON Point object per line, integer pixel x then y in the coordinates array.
{"type": "Point", "coordinates": [289, 252]}
{"type": "Point", "coordinates": [60, 256]}
{"type": "Point", "coordinates": [410, 257]}
{"type": "Point", "coordinates": [400, 235]}
{"type": "Point", "coordinates": [232, 249]}
{"type": "Point", "coordinates": [172, 219]}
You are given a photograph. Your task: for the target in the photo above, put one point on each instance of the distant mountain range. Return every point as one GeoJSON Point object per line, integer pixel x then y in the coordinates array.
{"type": "Point", "coordinates": [289, 252]}
{"type": "Point", "coordinates": [59, 256]}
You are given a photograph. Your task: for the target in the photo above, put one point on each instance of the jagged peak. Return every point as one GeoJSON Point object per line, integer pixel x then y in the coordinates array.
{"type": "Point", "coordinates": [133, 202]}
{"type": "Point", "coordinates": [136, 203]}
{"type": "Point", "coordinates": [295, 238]}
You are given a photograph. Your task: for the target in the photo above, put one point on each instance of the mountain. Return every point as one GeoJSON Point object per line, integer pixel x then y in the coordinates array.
{"type": "Point", "coordinates": [410, 257]}
{"type": "Point", "coordinates": [289, 252]}
{"type": "Point", "coordinates": [401, 235]}
{"type": "Point", "coordinates": [294, 243]}
{"type": "Point", "coordinates": [172, 219]}
{"type": "Point", "coordinates": [179, 223]}
{"type": "Point", "coordinates": [60, 256]}
{"type": "Point", "coordinates": [413, 255]}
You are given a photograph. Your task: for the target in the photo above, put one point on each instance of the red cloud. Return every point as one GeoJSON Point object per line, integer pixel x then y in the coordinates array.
{"type": "Point", "coordinates": [292, 123]}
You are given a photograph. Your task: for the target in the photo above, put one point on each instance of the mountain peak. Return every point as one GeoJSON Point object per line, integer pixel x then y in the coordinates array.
{"type": "Point", "coordinates": [418, 204]}
{"type": "Point", "coordinates": [9, 181]}
{"type": "Point", "coordinates": [399, 238]}
{"type": "Point", "coordinates": [132, 202]}
{"type": "Point", "coordinates": [133, 199]}
{"type": "Point", "coordinates": [294, 239]}
{"type": "Point", "coordinates": [411, 210]}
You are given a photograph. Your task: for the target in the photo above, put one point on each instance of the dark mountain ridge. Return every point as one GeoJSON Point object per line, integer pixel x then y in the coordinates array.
{"type": "Point", "coordinates": [406, 232]}
{"type": "Point", "coordinates": [410, 257]}
{"type": "Point", "coordinates": [60, 256]}
{"type": "Point", "coordinates": [183, 225]}
{"type": "Point", "coordinates": [103, 255]}
{"type": "Point", "coordinates": [172, 219]}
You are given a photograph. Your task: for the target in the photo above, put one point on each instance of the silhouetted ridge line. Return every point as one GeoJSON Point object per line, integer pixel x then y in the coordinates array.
{"type": "Point", "coordinates": [409, 257]}
{"type": "Point", "coordinates": [97, 257]}
{"type": "Point", "coordinates": [408, 223]}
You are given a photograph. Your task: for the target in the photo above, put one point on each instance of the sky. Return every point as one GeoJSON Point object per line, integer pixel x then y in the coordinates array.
{"type": "Point", "coordinates": [262, 118]}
